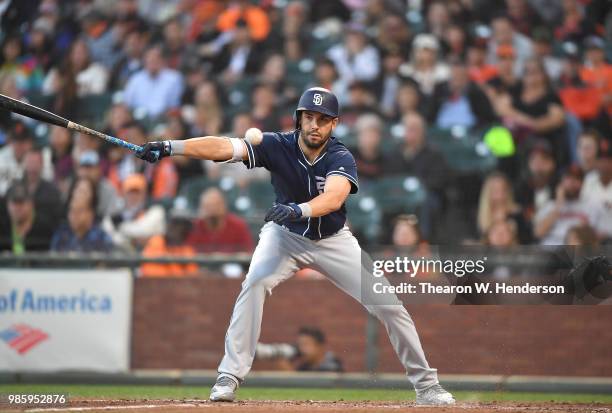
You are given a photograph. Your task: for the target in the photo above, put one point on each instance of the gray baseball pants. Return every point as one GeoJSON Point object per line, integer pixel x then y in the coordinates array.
{"type": "Point", "coordinates": [279, 254]}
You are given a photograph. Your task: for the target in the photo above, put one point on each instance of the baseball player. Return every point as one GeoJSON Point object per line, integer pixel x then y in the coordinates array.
{"type": "Point", "coordinates": [312, 173]}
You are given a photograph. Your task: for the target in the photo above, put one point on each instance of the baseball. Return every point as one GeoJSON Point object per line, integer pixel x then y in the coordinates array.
{"type": "Point", "coordinates": [254, 136]}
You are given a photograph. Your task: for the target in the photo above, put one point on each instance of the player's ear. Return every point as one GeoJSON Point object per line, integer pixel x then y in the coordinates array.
{"type": "Point", "coordinates": [334, 122]}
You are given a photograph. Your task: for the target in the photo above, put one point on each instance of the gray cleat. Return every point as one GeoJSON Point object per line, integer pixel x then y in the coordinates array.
{"type": "Point", "coordinates": [434, 396]}
{"type": "Point", "coordinates": [224, 389]}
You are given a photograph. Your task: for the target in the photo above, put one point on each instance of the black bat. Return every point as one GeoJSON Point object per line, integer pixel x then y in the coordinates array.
{"type": "Point", "coordinates": [34, 112]}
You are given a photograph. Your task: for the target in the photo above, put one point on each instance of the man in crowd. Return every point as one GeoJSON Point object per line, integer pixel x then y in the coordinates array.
{"type": "Point", "coordinates": [217, 230]}
{"type": "Point", "coordinates": [89, 168]}
{"type": "Point", "coordinates": [27, 229]}
{"type": "Point", "coordinates": [47, 198]}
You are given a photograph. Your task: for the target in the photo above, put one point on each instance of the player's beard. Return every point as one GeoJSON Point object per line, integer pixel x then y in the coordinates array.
{"type": "Point", "coordinates": [311, 144]}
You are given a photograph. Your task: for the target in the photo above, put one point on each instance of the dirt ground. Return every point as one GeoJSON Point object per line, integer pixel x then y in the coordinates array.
{"type": "Point", "coordinates": [177, 406]}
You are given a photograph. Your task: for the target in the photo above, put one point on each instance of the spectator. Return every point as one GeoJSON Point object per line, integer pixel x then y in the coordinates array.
{"type": "Point", "coordinates": [186, 168]}
{"type": "Point", "coordinates": [394, 35]}
{"type": "Point", "coordinates": [479, 69]}
{"type": "Point", "coordinates": [83, 190]}
{"type": "Point", "coordinates": [76, 77]}
{"type": "Point", "coordinates": [573, 23]}
{"type": "Point", "coordinates": [497, 204]}
{"type": "Point", "coordinates": [553, 221]}
{"type": "Point", "coordinates": [416, 157]}
{"type": "Point", "coordinates": [175, 47]}
{"type": "Point", "coordinates": [40, 45]}
{"type": "Point", "coordinates": [100, 38]}
{"type": "Point", "coordinates": [154, 89]}
{"type": "Point", "coordinates": [543, 50]}
{"type": "Point", "coordinates": [522, 16]}
{"type": "Point", "coordinates": [119, 116]}
{"type": "Point", "coordinates": [368, 155]}
{"type": "Point", "coordinates": [506, 81]}
{"type": "Point", "coordinates": [82, 233]}
{"type": "Point", "coordinates": [46, 196]}
{"type": "Point", "coordinates": [207, 112]}
{"type": "Point", "coordinates": [296, 35]}
{"type": "Point", "coordinates": [217, 230]}
{"type": "Point", "coordinates": [409, 99]}
{"type": "Point", "coordinates": [255, 19]}
{"type": "Point", "coordinates": [504, 34]}
{"type": "Point", "coordinates": [459, 102]}
{"type": "Point", "coordinates": [28, 229]}
{"type": "Point", "coordinates": [501, 234]}
{"type": "Point", "coordinates": [327, 76]}
{"type": "Point", "coordinates": [355, 58]}
{"type": "Point", "coordinates": [438, 18]}
{"type": "Point", "coordinates": [241, 56]}
{"type": "Point", "coordinates": [20, 141]}
{"type": "Point", "coordinates": [597, 191]}
{"type": "Point", "coordinates": [455, 40]}
{"type": "Point", "coordinates": [537, 187]}
{"type": "Point", "coordinates": [535, 109]}
{"type": "Point", "coordinates": [583, 100]}
{"type": "Point", "coordinates": [406, 237]}
{"type": "Point", "coordinates": [60, 142]}
{"type": "Point", "coordinates": [425, 66]}
{"type": "Point", "coordinates": [26, 69]}
{"type": "Point", "coordinates": [596, 71]}
{"type": "Point", "coordinates": [109, 202]}
{"type": "Point", "coordinates": [582, 236]}
{"type": "Point", "coordinates": [138, 221]}
{"type": "Point", "coordinates": [130, 60]}
{"type": "Point", "coordinates": [172, 243]}
{"type": "Point", "coordinates": [361, 101]}
{"type": "Point", "coordinates": [265, 108]}
{"type": "Point", "coordinates": [588, 151]}
{"type": "Point", "coordinates": [389, 82]}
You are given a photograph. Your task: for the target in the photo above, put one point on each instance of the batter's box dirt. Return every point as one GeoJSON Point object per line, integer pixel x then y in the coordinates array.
{"type": "Point", "coordinates": [177, 406]}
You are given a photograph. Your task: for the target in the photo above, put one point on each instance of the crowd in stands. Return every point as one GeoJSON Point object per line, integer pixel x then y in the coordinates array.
{"type": "Point", "coordinates": [414, 79]}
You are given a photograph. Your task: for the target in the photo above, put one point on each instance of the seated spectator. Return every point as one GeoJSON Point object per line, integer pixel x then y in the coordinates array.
{"type": "Point", "coordinates": [138, 221]}
{"type": "Point", "coordinates": [505, 81]}
{"type": "Point", "coordinates": [535, 109]}
{"type": "Point", "coordinates": [579, 98]}
{"type": "Point", "coordinates": [409, 99]}
{"type": "Point", "coordinates": [361, 100]}
{"type": "Point", "coordinates": [504, 34]}
{"type": "Point", "coordinates": [186, 168]}
{"type": "Point", "coordinates": [254, 18]}
{"type": "Point", "coordinates": [368, 155]}
{"type": "Point", "coordinates": [82, 233]}
{"type": "Point", "coordinates": [597, 191]}
{"type": "Point", "coordinates": [459, 102]}
{"type": "Point", "coordinates": [84, 190]}
{"type": "Point", "coordinates": [417, 158]}
{"type": "Point", "coordinates": [109, 202]}
{"type": "Point", "coordinates": [567, 210]}
{"type": "Point", "coordinates": [217, 230]}
{"type": "Point", "coordinates": [326, 75]}
{"type": "Point", "coordinates": [583, 236]}
{"type": "Point", "coordinates": [543, 50]}
{"type": "Point", "coordinates": [501, 234]}
{"type": "Point", "coordinates": [573, 25]}
{"type": "Point", "coordinates": [389, 82]}
{"type": "Point", "coordinates": [308, 354]}
{"type": "Point", "coordinates": [596, 71]}
{"type": "Point", "coordinates": [355, 59]}
{"type": "Point", "coordinates": [588, 151]}
{"type": "Point", "coordinates": [425, 67]}
{"type": "Point", "coordinates": [206, 114]}
{"type": "Point", "coordinates": [175, 46]}
{"type": "Point", "coordinates": [27, 71]}
{"type": "Point", "coordinates": [76, 77]}
{"type": "Point", "coordinates": [130, 59]}
{"type": "Point", "coordinates": [172, 243]}
{"type": "Point", "coordinates": [46, 196]}
{"type": "Point", "coordinates": [28, 228]}
{"type": "Point", "coordinates": [239, 57]}
{"type": "Point", "coordinates": [274, 73]}
{"type": "Point", "coordinates": [154, 89]}
{"type": "Point", "coordinates": [394, 34]}
{"type": "Point", "coordinates": [12, 155]}
{"type": "Point", "coordinates": [119, 116]}
{"type": "Point", "coordinates": [60, 142]}
{"type": "Point", "coordinates": [265, 108]}
{"type": "Point", "coordinates": [497, 204]}
{"type": "Point", "coordinates": [537, 186]}
{"type": "Point", "coordinates": [479, 70]}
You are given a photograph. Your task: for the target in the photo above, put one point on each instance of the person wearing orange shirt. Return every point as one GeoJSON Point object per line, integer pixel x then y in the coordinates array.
{"type": "Point", "coordinates": [172, 243]}
{"type": "Point", "coordinates": [596, 71]}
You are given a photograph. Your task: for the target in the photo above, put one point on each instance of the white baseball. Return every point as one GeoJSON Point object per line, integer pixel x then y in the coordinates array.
{"type": "Point", "coordinates": [254, 136]}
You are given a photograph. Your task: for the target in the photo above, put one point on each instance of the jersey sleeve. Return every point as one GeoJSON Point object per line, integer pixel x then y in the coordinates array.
{"type": "Point", "coordinates": [343, 164]}
{"type": "Point", "coordinates": [261, 155]}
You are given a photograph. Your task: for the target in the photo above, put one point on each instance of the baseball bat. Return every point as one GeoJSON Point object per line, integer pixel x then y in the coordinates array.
{"type": "Point", "coordinates": [34, 112]}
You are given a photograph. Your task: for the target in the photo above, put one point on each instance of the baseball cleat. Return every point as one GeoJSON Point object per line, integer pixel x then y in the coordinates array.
{"type": "Point", "coordinates": [224, 389]}
{"type": "Point", "coordinates": [434, 396]}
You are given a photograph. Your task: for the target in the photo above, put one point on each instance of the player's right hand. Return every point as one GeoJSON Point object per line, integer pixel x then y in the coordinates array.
{"type": "Point", "coordinates": [154, 151]}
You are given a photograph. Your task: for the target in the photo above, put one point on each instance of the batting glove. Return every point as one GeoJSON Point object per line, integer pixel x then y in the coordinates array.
{"type": "Point", "coordinates": [280, 213]}
{"type": "Point", "coordinates": [154, 151]}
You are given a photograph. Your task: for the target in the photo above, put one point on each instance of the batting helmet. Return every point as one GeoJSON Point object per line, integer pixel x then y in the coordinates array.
{"type": "Point", "coordinates": [317, 99]}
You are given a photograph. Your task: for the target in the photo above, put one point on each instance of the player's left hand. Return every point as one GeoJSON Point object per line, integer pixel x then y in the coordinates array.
{"type": "Point", "coordinates": [280, 213]}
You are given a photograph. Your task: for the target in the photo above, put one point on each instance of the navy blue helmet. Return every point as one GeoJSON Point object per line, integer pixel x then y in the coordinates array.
{"type": "Point", "coordinates": [317, 99]}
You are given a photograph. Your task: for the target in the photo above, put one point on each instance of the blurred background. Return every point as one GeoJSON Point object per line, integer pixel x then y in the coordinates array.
{"type": "Point", "coordinates": [475, 122]}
